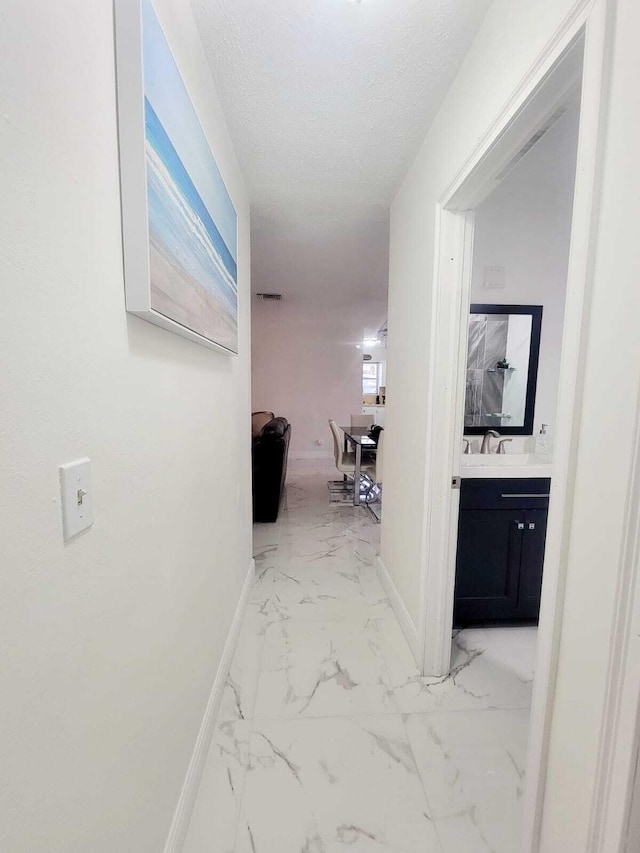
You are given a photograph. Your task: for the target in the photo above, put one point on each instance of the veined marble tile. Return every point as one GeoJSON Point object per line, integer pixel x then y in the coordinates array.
{"type": "Point", "coordinates": [332, 785]}
{"type": "Point", "coordinates": [321, 543]}
{"type": "Point", "coordinates": [337, 569]}
{"type": "Point", "coordinates": [310, 514]}
{"type": "Point", "coordinates": [354, 518]}
{"type": "Point", "coordinates": [333, 563]}
{"type": "Point", "coordinates": [460, 834]}
{"type": "Point", "coordinates": [329, 589]}
{"type": "Point", "coordinates": [265, 535]}
{"type": "Point", "coordinates": [239, 696]}
{"type": "Point", "coordinates": [321, 672]}
{"type": "Point", "coordinates": [472, 766]}
{"type": "Point", "coordinates": [365, 551]}
{"type": "Point", "coordinates": [298, 532]}
{"type": "Point", "coordinates": [363, 529]}
{"type": "Point", "coordinates": [479, 679]}
{"type": "Point", "coordinates": [265, 558]}
{"type": "Point", "coordinates": [516, 646]}
{"type": "Point", "coordinates": [301, 490]}
{"type": "Point", "coordinates": [214, 820]}
{"type": "Point", "coordinates": [322, 669]}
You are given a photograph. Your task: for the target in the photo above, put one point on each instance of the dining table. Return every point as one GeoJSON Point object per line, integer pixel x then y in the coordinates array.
{"type": "Point", "coordinates": [360, 439]}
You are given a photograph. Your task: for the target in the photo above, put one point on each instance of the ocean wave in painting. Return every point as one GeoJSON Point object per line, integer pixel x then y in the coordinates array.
{"type": "Point", "coordinates": [187, 243]}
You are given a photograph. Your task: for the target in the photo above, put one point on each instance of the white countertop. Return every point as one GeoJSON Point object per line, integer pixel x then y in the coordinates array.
{"type": "Point", "coordinates": [504, 465]}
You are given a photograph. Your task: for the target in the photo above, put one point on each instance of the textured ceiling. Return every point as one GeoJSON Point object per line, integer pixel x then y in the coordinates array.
{"type": "Point", "coordinates": [327, 102]}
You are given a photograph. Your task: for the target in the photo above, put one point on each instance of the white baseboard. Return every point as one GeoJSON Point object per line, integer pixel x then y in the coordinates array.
{"type": "Point", "coordinates": [182, 815]}
{"type": "Point", "coordinates": [399, 608]}
{"type": "Point", "coordinates": [310, 454]}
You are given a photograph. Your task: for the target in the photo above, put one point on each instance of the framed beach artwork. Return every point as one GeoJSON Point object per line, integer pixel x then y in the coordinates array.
{"type": "Point", "coordinates": [178, 222]}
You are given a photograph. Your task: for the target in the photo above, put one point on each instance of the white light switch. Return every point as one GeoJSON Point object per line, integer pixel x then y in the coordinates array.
{"type": "Point", "coordinates": [77, 496]}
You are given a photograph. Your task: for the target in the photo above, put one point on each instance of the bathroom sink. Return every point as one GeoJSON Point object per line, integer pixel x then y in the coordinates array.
{"type": "Point", "coordinates": [505, 465]}
{"type": "Point", "coordinates": [509, 459]}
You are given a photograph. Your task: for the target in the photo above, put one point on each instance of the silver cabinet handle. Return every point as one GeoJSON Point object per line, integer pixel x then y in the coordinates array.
{"type": "Point", "coordinates": [520, 525]}
{"type": "Point", "coordinates": [535, 495]}
{"type": "Point", "coordinates": [532, 526]}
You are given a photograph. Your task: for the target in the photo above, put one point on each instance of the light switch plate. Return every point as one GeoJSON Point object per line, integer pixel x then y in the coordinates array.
{"type": "Point", "coordinates": [76, 496]}
{"type": "Point", "coordinates": [494, 278]}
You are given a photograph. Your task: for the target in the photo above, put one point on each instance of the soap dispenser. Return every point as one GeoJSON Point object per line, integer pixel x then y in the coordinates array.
{"type": "Point", "coordinates": [543, 441]}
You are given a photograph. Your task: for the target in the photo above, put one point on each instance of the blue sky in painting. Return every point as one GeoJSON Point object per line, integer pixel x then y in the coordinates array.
{"type": "Point", "coordinates": [178, 175]}
{"type": "Point", "coordinates": [167, 94]}
{"type": "Point", "coordinates": [180, 223]}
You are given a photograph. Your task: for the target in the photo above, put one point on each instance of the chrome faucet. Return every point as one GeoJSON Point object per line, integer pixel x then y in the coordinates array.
{"type": "Point", "coordinates": [486, 441]}
{"type": "Point", "coordinates": [501, 445]}
{"type": "Point", "coordinates": [467, 446]}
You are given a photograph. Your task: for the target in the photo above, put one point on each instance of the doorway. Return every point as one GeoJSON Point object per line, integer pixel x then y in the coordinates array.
{"type": "Point", "coordinates": [518, 281]}
{"type": "Point", "coordinates": [552, 87]}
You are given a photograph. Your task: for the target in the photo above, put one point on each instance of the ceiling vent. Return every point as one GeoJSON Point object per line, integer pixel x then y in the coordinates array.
{"type": "Point", "coordinates": [269, 297]}
{"type": "Point", "coordinates": [537, 136]}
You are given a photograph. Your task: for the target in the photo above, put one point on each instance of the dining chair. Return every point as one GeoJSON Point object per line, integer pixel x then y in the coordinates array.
{"type": "Point", "coordinates": [345, 462]}
{"type": "Point", "coordinates": [374, 471]}
{"type": "Point", "coordinates": [362, 420]}
{"type": "Point", "coordinates": [375, 474]}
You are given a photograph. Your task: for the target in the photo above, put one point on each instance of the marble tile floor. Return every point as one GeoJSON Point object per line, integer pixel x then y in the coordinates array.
{"type": "Point", "coordinates": [327, 739]}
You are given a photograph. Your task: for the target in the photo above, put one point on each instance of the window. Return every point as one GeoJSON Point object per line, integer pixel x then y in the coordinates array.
{"type": "Point", "coordinates": [370, 377]}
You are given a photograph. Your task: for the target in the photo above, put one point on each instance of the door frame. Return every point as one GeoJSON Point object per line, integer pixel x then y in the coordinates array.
{"type": "Point", "coordinates": [545, 85]}
{"type": "Point", "coordinates": [615, 813]}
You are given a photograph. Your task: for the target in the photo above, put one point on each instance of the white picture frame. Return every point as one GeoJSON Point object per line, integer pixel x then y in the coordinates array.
{"type": "Point", "coordinates": [189, 294]}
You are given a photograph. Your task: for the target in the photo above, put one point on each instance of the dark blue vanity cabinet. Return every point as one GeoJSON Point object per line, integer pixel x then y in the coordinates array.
{"type": "Point", "coordinates": [501, 536]}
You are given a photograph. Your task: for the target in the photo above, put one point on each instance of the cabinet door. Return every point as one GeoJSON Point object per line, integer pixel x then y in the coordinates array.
{"type": "Point", "coordinates": [533, 542]}
{"type": "Point", "coordinates": [488, 565]}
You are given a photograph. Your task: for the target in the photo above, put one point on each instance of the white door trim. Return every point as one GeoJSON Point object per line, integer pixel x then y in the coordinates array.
{"type": "Point", "coordinates": [580, 274]}
{"type": "Point", "coordinates": [452, 275]}
{"type": "Point", "coordinates": [445, 407]}
{"type": "Point", "coordinates": [618, 774]}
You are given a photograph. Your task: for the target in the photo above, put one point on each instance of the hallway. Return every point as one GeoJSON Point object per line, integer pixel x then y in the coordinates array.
{"type": "Point", "coordinates": [327, 738]}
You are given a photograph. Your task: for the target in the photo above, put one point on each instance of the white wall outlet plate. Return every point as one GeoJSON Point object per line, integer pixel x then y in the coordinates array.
{"type": "Point", "coordinates": [76, 496]}
{"type": "Point", "coordinates": [494, 278]}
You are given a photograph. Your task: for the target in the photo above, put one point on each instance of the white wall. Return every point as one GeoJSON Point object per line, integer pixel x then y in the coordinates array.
{"type": "Point", "coordinates": [525, 226]}
{"type": "Point", "coordinates": [110, 642]}
{"type": "Point", "coordinates": [306, 366]}
{"type": "Point", "coordinates": [512, 35]}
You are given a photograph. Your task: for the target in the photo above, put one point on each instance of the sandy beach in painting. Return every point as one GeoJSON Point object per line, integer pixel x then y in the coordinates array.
{"type": "Point", "coordinates": [178, 296]}
{"type": "Point", "coordinates": [193, 274]}
{"type": "Point", "coordinates": [192, 223]}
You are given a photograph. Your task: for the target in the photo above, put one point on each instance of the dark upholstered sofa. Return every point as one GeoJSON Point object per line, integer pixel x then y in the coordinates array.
{"type": "Point", "coordinates": [269, 451]}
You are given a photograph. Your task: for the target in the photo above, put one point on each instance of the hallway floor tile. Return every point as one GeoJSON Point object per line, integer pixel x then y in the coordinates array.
{"type": "Point", "coordinates": [327, 738]}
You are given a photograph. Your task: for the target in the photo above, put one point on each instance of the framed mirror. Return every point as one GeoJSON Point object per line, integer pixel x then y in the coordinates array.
{"type": "Point", "coordinates": [502, 368]}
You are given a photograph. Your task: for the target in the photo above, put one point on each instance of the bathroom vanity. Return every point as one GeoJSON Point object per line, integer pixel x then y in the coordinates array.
{"type": "Point", "coordinates": [501, 538]}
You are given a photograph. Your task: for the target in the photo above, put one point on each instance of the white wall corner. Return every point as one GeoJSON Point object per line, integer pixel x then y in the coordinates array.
{"type": "Point", "coordinates": [399, 608]}
{"type": "Point", "coordinates": [186, 801]}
